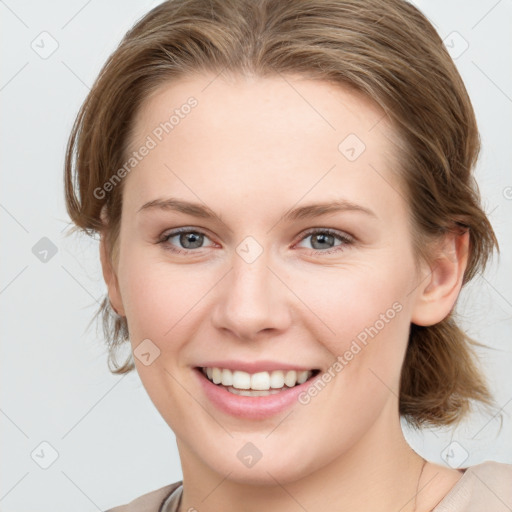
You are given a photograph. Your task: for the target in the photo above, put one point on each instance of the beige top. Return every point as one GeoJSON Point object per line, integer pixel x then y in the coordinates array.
{"type": "Point", "coordinates": [486, 487]}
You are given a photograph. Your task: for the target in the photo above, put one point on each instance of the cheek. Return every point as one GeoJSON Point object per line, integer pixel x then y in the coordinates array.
{"type": "Point", "coordinates": [160, 298]}
{"type": "Point", "coordinates": [363, 314]}
{"type": "Point", "coordinates": [349, 299]}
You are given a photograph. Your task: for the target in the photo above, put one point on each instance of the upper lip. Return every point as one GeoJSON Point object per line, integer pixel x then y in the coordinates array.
{"type": "Point", "coordinates": [254, 366]}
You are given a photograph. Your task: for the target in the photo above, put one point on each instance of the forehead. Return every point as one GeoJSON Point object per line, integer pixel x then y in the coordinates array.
{"type": "Point", "coordinates": [228, 101]}
{"type": "Point", "coordinates": [258, 135]}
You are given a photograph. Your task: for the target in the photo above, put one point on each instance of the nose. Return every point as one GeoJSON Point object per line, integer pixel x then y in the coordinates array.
{"type": "Point", "coordinates": [252, 300]}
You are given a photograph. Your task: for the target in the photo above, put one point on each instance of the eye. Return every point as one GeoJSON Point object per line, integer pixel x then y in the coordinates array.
{"type": "Point", "coordinates": [323, 240]}
{"type": "Point", "coordinates": [188, 238]}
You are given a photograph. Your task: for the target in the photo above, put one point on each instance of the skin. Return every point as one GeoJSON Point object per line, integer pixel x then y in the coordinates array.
{"type": "Point", "coordinates": [252, 149]}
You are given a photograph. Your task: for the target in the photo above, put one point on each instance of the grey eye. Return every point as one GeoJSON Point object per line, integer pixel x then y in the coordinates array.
{"type": "Point", "coordinates": [191, 240]}
{"type": "Point", "coordinates": [322, 240]}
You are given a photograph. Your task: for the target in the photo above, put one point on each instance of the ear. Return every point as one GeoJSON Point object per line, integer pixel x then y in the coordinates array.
{"type": "Point", "coordinates": [109, 275]}
{"type": "Point", "coordinates": [438, 291]}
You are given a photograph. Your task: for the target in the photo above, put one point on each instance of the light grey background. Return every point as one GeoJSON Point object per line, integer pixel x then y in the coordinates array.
{"type": "Point", "coordinates": [112, 444]}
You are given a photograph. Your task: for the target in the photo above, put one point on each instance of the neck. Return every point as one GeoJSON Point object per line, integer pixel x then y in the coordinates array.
{"type": "Point", "coordinates": [380, 472]}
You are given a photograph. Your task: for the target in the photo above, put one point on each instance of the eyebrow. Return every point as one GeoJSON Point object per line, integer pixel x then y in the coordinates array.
{"type": "Point", "coordinates": [300, 213]}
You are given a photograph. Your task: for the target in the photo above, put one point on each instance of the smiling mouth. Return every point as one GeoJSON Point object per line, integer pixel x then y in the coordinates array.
{"type": "Point", "coordinates": [257, 384]}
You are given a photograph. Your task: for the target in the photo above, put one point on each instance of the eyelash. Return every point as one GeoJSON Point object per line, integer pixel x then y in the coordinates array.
{"type": "Point", "coordinates": [346, 239]}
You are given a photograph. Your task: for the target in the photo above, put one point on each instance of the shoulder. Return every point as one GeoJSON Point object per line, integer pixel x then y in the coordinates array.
{"type": "Point", "coordinates": [486, 486]}
{"type": "Point", "coordinates": [150, 502]}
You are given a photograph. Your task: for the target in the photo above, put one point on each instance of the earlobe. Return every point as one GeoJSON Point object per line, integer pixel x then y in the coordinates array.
{"type": "Point", "coordinates": [110, 278]}
{"type": "Point", "coordinates": [439, 289]}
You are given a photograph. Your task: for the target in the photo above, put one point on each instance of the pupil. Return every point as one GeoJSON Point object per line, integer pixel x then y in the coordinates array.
{"type": "Point", "coordinates": [191, 238]}
{"type": "Point", "coordinates": [323, 239]}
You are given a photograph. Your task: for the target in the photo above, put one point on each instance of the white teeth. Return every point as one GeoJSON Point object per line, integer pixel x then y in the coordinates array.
{"type": "Point", "coordinates": [302, 377]}
{"type": "Point", "coordinates": [217, 375]}
{"type": "Point", "coordinates": [241, 380]}
{"type": "Point", "coordinates": [227, 378]}
{"type": "Point", "coordinates": [261, 381]}
{"type": "Point", "coordinates": [290, 378]}
{"type": "Point", "coordinates": [276, 380]}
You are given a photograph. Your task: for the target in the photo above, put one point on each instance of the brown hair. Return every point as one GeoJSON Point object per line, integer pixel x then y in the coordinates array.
{"type": "Point", "coordinates": [385, 49]}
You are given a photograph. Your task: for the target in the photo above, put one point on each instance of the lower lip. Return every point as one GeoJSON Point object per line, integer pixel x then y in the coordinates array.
{"type": "Point", "coordinates": [251, 407]}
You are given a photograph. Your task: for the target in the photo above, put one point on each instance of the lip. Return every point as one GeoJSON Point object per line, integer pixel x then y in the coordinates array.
{"type": "Point", "coordinates": [252, 366]}
{"type": "Point", "coordinates": [251, 407]}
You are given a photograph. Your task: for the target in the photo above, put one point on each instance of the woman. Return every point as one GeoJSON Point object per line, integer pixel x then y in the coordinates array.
{"type": "Point", "coordinates": [287, 212]}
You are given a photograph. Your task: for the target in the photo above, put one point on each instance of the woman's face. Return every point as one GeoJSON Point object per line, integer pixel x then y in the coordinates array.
{"type": "Point", "coordinates": [265, 275]}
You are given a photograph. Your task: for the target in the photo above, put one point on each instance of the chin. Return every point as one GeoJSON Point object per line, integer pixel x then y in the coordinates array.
{"type": "Point", "coordinates": [270, 470]}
